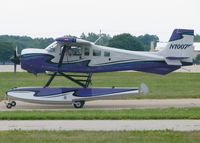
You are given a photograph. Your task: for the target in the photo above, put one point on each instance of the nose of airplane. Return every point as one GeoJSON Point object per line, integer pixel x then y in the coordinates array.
{"type": "Point", "coordinates": [33, 51]}
{"type": "Point", "coordinates": [32, 60]}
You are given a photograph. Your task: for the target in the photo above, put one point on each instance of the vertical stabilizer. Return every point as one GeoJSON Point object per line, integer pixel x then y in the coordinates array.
{"type": "Point", "coordinates": [179, 48]}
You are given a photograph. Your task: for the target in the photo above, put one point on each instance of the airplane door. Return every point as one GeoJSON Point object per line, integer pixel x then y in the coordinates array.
{"type": "Point", "coordinates": [74, 54]}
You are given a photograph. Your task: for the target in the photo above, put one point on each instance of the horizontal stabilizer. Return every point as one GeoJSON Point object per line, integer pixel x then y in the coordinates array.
{"type": "Point", "coordinates": [176, 62]}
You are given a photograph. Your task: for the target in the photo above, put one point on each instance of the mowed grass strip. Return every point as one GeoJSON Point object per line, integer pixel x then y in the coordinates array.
{"type": "Point", "coordinates": [168, 113]}
{"type": "Point", "coordinates": [173, 85]}
{"type": "Point", "coordinates": [99, 137]}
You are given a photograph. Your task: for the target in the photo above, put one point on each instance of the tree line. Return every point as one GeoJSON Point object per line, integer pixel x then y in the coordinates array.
{"type": "Point", "coordinates": [8, 44]}
{"type": "Point", "coordinates": [123, 41]}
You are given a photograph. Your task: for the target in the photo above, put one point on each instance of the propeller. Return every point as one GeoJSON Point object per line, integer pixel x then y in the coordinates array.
{"type": "Point", "coordinates": [15, 59]}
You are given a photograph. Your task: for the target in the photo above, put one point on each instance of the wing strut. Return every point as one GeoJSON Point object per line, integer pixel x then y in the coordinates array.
{"type": "Point", "coordinates": [59, 65]}
{"type": "Point", "coordinates": [62, 56]}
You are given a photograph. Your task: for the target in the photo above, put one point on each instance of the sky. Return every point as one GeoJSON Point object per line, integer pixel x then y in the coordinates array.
{"type": "Point", "coordinates": [55, 18]}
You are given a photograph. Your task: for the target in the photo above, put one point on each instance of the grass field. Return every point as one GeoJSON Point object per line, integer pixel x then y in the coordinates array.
{"type": "Point", "coordinates": [99, 137]}
{"type": "Point", "coordinates": [169, 113]}
{"type": "Point", "coordinates": [174, 85]}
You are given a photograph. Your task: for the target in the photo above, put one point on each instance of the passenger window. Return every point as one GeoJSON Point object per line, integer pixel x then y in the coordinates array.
{"type": "Point", "coordinates": [86, 51]}
{"type": "Point", "coordinates": [96, 52]}
{"type": "Point", "coordinates": [106, 54]}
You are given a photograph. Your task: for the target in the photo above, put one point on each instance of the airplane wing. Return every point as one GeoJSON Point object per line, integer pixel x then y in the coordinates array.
{"type": "Point", "coordinates": [73, 41]}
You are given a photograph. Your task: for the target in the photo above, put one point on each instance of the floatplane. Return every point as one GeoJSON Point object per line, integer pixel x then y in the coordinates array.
{"type": "Point", "coordinates": [73, 55]}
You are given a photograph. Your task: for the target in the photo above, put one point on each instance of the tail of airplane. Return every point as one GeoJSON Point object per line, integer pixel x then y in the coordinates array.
{"type": "Point", "coordinates": [179, 50]}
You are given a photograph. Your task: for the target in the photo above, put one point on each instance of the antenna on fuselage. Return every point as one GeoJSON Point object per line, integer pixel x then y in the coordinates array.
{"type": "Point", "coordinates": [101, 35]}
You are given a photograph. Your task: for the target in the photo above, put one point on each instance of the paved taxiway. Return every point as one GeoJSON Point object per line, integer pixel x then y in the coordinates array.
{"type": "Point", "coordinates": [106, 125]}
{"type": "Point", "coordinates": [102, 125]}
{"type": "Point", "coordinates": [111, 104]}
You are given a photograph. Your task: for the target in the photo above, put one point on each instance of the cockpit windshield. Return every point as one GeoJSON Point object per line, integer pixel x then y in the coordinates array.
{"type": "Point", "coordinates": [52, 46]}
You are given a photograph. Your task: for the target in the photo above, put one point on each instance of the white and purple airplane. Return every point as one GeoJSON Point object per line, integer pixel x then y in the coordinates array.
{"type": "Point", "coordinates": [74, 55]}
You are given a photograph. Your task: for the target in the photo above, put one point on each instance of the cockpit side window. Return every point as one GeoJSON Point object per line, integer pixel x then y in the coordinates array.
{"type": "Point", "coordinates": [76, 51]}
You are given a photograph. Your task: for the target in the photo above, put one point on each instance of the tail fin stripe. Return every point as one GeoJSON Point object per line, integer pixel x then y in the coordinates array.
{"type": "Point", "coordinates": [178, 34]}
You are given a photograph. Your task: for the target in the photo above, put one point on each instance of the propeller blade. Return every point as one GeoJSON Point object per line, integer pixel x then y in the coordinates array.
{"type": "Point", "coordinates": [15, 69]}
{"type": "Point", "coordinates": [16, 51]}
{"type": "Point", "coordinates": [15, 59]}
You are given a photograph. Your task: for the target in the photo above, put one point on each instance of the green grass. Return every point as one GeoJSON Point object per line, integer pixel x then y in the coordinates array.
{"type": "Point", "coordinates": [174, 85]}
{"type": "Point", "coordinates": [99, 137]}
{"type": "Point", "coordinates": [168, 113]}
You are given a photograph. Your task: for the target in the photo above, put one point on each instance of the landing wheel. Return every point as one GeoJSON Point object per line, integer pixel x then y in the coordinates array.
{"type": "Point", "coordinates": [78, 104]}
{"type": "Point", "coordinates": [13, 103]}
{"type": "Point", "coordinates": [9, 105]}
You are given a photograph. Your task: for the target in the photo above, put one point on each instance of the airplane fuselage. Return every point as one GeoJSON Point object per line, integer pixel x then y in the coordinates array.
{"type": "Point", "coordinates": [91, 60]}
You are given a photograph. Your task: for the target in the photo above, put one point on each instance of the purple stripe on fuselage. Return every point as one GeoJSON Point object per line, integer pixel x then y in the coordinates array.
{"type": "Point", "coordinates": [39, 63]}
